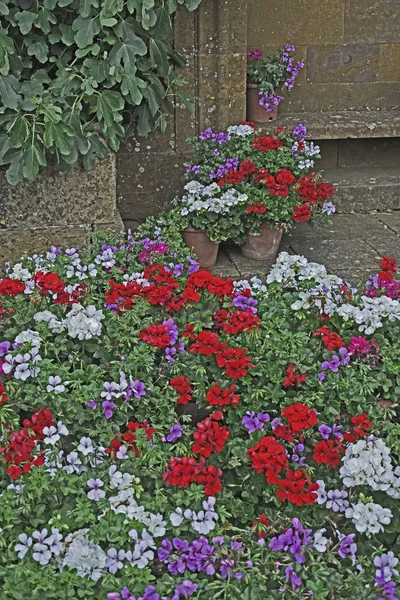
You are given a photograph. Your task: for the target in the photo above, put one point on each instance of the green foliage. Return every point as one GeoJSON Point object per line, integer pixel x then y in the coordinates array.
{"type": "Point", "coordinates": [77, 77]}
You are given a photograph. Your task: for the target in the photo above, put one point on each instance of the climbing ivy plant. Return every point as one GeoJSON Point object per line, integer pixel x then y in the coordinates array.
{"type": "Point", "coordinates": [79, 76]}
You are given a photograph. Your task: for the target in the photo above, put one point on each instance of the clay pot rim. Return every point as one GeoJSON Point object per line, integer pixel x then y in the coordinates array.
{"type": "Point", "coordinates": [194, 230]}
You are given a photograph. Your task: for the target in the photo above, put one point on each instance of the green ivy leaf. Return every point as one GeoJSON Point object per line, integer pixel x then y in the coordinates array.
{"type": "Point", "coordinates": [107, 107]}
{"type": "Point", "coordinates": [85, 7]}
{"type": "Point", "coordinates": [144, 126]}
{"type": "Point", "coordinates": [131, 86]}
{"type": "Point", "coordinates": [33, 158]}
{"type": "Point", "coordinates": [40, 50]}
{"type": "Point", "coordinates": [125, 53]}
{"type": "Point", "coordinates": [86, 29]}
{"type": "Point", "coordinates": [44, 18]}
{"type": "Point", "coordinates": [3, 8]}
{"type": "Point", "coordinates": [19, 131]}
{"type": "Point", "coordinates": [6, 42]}
{"type": "Point", "coordinates": [67, 34]}
{"type": "Point", "coordinates": [8, 84]}
{"type": "Point", "coordinates": [14, 172]}
{"type": "Point", "coordinates": [159, 56]}
{"type": "Point", "coordinates": [25, 21]}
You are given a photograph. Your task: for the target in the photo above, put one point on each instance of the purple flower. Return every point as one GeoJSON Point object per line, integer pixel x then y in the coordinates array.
{"type": "Point", "coordinates": [292, 576]}
{"type": "Point", "coordinates": [95, 493]}
{"type": "Point", "coordinates": [245, 303]}
{"type": "Point", "coordinates": [216, 152]}
{"type": "Point", "coordinates": [185, 589]}
{"type": "Point", "coordinates": [4, 348]}
{"type": "Point", "coordinates": [295, 540]}
{"type": "Point", "coordinates": [300, 131]}
{"type": "Point", "coordinates": [336, 500]}
{"type": "Point", "coordinates": [255, 54]}
{"type": "Point", "coordinates": [137, 388]}
{"type": "Point", "coordinates": [251, 422]}
{"type": "Point", "coordinates": [108, 408]}
{"type": "Point", "coordinates": [329, 208]}
{"type": "Point", "coordinates": [175, 432]}
{"type": "Point", "coordinates": [173, 330]}
{"type": "Point", "coordinates": [325, 431]}
{"type": "Point", "coordinates": [169, 353]}
{"type": "Point", "coordinates": [385, 564]}
{"type": "Point", "coordinates": [196, 169]}
{"type": "Point", "coordinates": [348, 548]}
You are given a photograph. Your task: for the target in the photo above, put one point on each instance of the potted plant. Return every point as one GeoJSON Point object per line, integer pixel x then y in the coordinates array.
{"type": "Point", "coordinates": [274, 173]}
{"type": "Point", "coordinates": [265, 75]}
{"type": "Point", "coordinates": [208, 215]}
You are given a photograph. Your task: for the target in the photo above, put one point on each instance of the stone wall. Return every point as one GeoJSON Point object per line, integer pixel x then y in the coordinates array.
{"type": "Point", "coordinates": [60, 209]}
{"type": "Point", "coordinates": [214, 43]}
{"type": "Point", "coordinates": [351, 49]}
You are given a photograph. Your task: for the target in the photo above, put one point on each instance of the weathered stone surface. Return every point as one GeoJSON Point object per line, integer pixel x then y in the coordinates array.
{"type": "Point", "coordinates": [370, 21]}
{"type": "Point", "coordinates": [306, 22]}
{"type": "Point", "coordinates": [369, 153]}
{"type": "Point", "coordinates": [365, 189]}
{"type": "Point", "coordinates": [225, 267]}
{"type": "Point", "coordinates": [390, 220]}
{"type": "Point", "coordinates": [345, 124]}
{"type": "Point", "coordinates": [352, 63]}
{"type": "Point", "coordinates": [389, 62]}
{"type": "Point", "coordinates": [329, 153]}
{"type": "Point", "coordinates": [77, 197]}
{"type": "Point", "coordinates": [15, 242]}
{"type": "Point", "coordinates": [369, 96]}
{"type": "Point", "coordinates": [222, 26]}
{"type": "Point", "coordinates": [311, 98]}
{"type": "Point", "coordinates": [222, 90]}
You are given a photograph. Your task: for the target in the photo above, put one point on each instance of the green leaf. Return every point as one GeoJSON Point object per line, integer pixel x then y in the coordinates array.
{"type": "Point", "coordinates": [33, 158]}
{"type": "Point", "coordinates": [97, 68]}
{"type": "Point", "coordinates": [108, 105]}
{"type": "Point", "coordinates": [8, 84]}
{"type": "Point", "coordinates": [51, 4]}
{"type": "Point", "coordinates": [40, 50]}
{"type": "Point", "coordinates": [107, 21]}
{"type": "Point", "coordinates": [125, 53]}
{"type": "Point", "coordinates": [86, 29]}
{"type": "Point", "coordinates": [130, 86]}
{"type": "Point", "coordinates": [44, 18]}
{"type": "Point", "coordinates": [6, 42]}
{"type": "Point", "coordinates": [5, 145]}
{"type": "Point", "coordinates": [94, 49]}
{"type": "Point", "coordinates": [97, 149]}
{"type": "Point", "coordinates": [3, 8]}
{"type": "Point", "coordinates": [159, 56]}
{"type": "Point", "coordinates": [67, 34]}
{"type": "Point", "coordinates": [85, 7]}
{"type": "Point", "coordinates": [144, 115]}
{"type": "Point", "coordinates": [25, 21]}
{"type": "Point", "coordinates": [14, 172]}
{"type": "Point", "coordinates": [19, 131]}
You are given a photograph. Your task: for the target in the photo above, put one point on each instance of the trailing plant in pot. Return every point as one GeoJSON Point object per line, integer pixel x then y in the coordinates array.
{"type": "Point", "coordinates": [266, 73]}
{"type": "Point", "coordinates": [274, 173]}
{"type": "Point", "coordinates": [208, 215]}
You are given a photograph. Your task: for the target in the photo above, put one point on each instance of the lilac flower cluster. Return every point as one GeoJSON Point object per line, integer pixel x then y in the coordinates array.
{"type": "Point", "coordinates": [151, 248]}
{"type": "Point", "coordinates": [270, 101]}
{"type": "Point", "coordinates": [113, 390]}
{"type": "Point", "coordinates": [173, 347]}
{"type": "Point", "coordinates": [201, 556]}
{"type": "Point", "coordinates": [106, 258]}
{"type": "Point", "coordinates": [175, 432]}
{"type": "Point", "coordinates": [208, 134]}
{"type": "Point", "coordinates": [44, 548]}
{"type": "Point", "coordinates": [245, 302]}
{"type": "Point", "coordinates": [385, 571]}
{"type": "Point", "coordinates": [295, 540]}
{"type": "Point", "coordinates": [186, 589]}
{"type": "Point", "coordinates": [230, 165]}
{"type": "Point", "coordinates": [348, 547]}
{"type": "Point", "coordinates": [335, 363]}
{"type": "Point", "coordinates": [254, 423]}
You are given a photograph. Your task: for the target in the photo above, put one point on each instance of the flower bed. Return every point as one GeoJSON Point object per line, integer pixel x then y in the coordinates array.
{"type": "Point", "coordinates": [287, 486]}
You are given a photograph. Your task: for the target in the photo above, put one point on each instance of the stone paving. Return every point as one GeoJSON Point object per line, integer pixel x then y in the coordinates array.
{"type": "Point", "coordinates": [350, 247]}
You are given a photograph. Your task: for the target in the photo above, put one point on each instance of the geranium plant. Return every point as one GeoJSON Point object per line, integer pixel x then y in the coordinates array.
{"type": "Point", "coordinates": [272, 71]}
{"type": "Point", "coordinates": [274, 172]}
{"type": "Point", "coordinates": [286, 486]}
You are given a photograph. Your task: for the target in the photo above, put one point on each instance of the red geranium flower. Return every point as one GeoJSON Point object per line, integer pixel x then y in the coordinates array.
{"type": "Point", "coordinates": [328, 453]}
{"type": "Point", "coordinates": [218, 397]}
{"type": "Point", "coordinates": [206, 343]}
{"type": "Point", "coordinates": [260, 525]}
{"type": "Point", "coordinates": [293, 378]}
{"type": "Point", "coordinates": [181, 471]}
{"type": "Point", "coordinates": [11, 287]}
{"type": "Point", "coordinates": [209, 437]}
{"type": "Point", "coordinates": [268, 456]}
{"type": "Point", "coordinates": [156, 335]}
{"type": "Point", "coordinates": [300, 417]}
{"type": "Point", "coordinates": [297, 488]}
{"type": "Point", "coordinates": [235, 362]}
{"type": "Point", "coordinates": [265, 143]}
{"type": "Point", "coordinates": [361, 427]}
{"type": "Point", "coordinates": [256, 207]}
{"type": "Point", "coordinates": [241, 320]}
{"type": "Point", "coordinates": [182, 386]}
{"type": "Point", "coordinates": [330, 339]}
{"type": "Point", "coordinates": [301, 213]}
{"type": "Point", "coordinates": [285, 176]}
{"type": "Point", "coordinates": [210, 478]}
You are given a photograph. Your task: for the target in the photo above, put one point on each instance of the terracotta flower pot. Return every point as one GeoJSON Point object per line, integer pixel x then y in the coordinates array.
{"type": "Point", "coordinates": [264, 246]}
{"type": "Point", "coordinates": [256, 112]}
{"type": "Point", "coordinates": [205, 250]}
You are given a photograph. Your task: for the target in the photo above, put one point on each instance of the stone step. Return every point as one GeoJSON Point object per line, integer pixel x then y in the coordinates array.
{"type": "Point", "coordinates": [365, 189]}
{"type": "Point", "coordinates": [341, 125]}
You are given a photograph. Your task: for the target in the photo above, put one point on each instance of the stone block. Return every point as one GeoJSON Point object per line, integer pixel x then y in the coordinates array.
{"type": "Point", "coordinates": [369, 96]}
{"type": "Point", "coordinates": [139, 206]}
{"type": "Point", "coordinates": [390, 220]}
{"type": "Point", "coordinates": [185, 25]}
{"type": "Point", "coordinates": [222, 27]}
{"type": "Point", "coordinates": [372, 21]}
{"type": "Point", "coordinates": [350, 63]}
{"type": "Point", "coordinates": [77, 197]}
{"type": "Point", "coordinates": [312, 97]}
{"type": "Point", "coordinates": [222, 90]}
{"type": "Point", "coordinates": [369, 153]}
{"type": "Point", "coordinates": [389, 62]}
{"type": "Point", "coordinates": [136, 174]}
{"type": "Point", "coordinates": [278, 22]}
{"type": "Point", "coordinates": [329, 154]}
{"type": "Point", "coordinates": [15, 242]}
